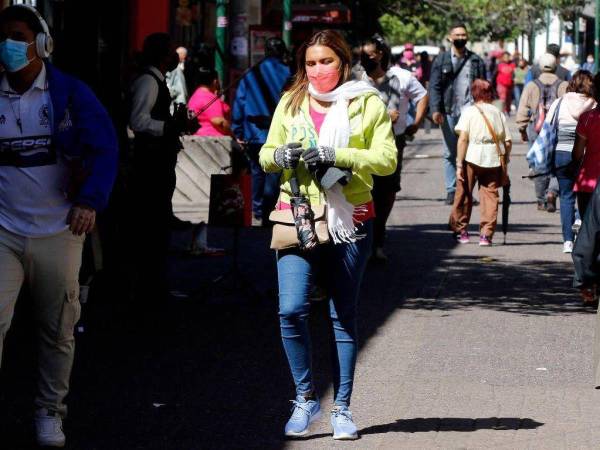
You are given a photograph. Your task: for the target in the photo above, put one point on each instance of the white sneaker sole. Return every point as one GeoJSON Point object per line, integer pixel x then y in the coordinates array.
{"type": "Point", "coordinates": [56, 444]}
{"type": "Point", "coordinates": [345, 437]}
{"type": "Point", "coordinates": [312, 419]}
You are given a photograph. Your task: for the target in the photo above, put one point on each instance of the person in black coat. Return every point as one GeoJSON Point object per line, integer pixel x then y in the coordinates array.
{"type": "Point", "coordinates": [587, 267]}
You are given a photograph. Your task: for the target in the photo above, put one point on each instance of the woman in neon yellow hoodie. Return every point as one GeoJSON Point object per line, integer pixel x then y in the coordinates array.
{"type": "Point", "coordinates": [325, 120]}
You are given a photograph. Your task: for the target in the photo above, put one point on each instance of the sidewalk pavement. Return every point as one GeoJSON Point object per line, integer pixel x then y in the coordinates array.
{"type": "Point", "coordinates": [461, 347]}
{"type": "Point", "coordinates": [469, 347]}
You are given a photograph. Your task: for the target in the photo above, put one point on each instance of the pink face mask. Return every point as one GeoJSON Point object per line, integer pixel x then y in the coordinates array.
{"type": "Point", "coordinates": [323, 77]}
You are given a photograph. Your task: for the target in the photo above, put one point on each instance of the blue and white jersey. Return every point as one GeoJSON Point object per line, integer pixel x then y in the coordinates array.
{"type": "Point", "coordinates": [33, 178]}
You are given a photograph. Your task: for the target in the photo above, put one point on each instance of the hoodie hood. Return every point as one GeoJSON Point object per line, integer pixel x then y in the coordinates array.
{"type": "Point", "coordinates": [574, 104]}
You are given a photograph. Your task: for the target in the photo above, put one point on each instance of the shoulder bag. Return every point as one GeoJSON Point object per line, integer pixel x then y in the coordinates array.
{"type": "Point", "coordinates": [300, 226]}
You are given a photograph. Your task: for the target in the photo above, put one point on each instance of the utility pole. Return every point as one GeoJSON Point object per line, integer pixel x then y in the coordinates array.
{"type": "Point", "coordinates": [597, 34]}
{"type": "Point", "coordinates": [548, 20]}
{"type": "Point", "coordinates": [576, 36]}
{"type": "Point", "coordinates": [221, 39]}
{"type": "Point", "coordinates": [287, 23]}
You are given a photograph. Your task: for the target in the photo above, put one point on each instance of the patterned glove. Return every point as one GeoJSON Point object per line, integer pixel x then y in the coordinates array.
{"type": "Point", "coordinates": [288, 156]}
{"type": "Point", "coordinates": [319, 155]}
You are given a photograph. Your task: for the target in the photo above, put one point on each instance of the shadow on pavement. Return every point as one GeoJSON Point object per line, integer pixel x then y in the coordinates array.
{"type": "Point", "coordinates": [423, 425]}
{"type": "Point", "coordinates": [208, 371]}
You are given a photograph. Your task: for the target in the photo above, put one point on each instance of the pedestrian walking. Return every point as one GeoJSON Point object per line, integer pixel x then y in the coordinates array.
{"type": "Point", "coordinates": [212, 113]}
{"type": "Point", "coordinates": [561, 72]}
{"type": "Point", "coordinates": [344, 128]}
{"type": "Point", "coordinates": [423, 72]}
{"type": "Point", "coordinates": [156, 144]}
{"type": "Point", "coordinates": [533, 108]}
{"type": "Point", "coordinates": [589, 64]}
{"type": "Point", "coordinates": [519, 79]}
{"type": "Point", "coordinates": [176, 81]}
{"type": "Point", "coordinates": [505, 81]}
{"type": "Point", "coordinates": [587, 276]}
{"type": "Point", "coordinates": [255, 101]}
{"type": "Point", "coordinates": [57, 167]}
{"type": "Point", "coordinates": [586, 153]}
{"type": "Point", "coordinates": [452, 75]}
{"type": "Point", "coordinates": [398, 87]}
{"type": "Point", "coordinates": [408, 61]}
{"type": "Point", "coordinates": [484, 145]}
{"type": "Point", "coordinates": [578, 99]}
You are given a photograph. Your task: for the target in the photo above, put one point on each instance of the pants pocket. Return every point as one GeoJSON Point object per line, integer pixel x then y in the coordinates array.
{"type": "Point", "coordinates": [70, 314]}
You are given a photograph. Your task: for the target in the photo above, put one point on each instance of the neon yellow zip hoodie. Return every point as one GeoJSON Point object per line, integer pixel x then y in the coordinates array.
{"type": "Point", "coordinates": [371, 148]}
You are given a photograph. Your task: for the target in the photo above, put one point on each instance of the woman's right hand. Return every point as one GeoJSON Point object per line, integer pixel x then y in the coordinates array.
{"type": "Point", "coordinates": [459, 174]}
{"type": "Point", "coordinates": [288, 156]}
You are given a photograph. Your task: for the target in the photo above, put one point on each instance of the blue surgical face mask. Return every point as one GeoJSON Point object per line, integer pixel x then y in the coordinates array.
{"type": "Point", "coordinates": [13, 55]}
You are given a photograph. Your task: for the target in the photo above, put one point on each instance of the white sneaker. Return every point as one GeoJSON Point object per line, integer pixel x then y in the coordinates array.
{"type": "Point", "coordinates": [48, 429]}
{"type": "Point", "coordinates": [568, 247]}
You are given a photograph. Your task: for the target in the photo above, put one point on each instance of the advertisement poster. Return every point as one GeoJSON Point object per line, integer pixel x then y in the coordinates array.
{"type": "Point", "coordinates": [258, 37]}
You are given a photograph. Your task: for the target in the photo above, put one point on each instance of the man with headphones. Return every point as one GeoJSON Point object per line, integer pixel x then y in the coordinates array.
{"type": "Point", "coordinates": [58, 162]}
{"type": "Point", "coordinates": [255, 101]}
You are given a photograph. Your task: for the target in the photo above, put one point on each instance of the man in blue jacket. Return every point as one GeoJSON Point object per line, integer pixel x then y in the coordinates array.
{"type": "Point", "coordinates": [255, 101]}
{"type": "Point", "coordinates": [58, 162]}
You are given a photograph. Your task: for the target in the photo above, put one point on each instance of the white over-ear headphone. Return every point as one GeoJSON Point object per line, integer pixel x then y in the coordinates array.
{"type": "Point", "coordinates": [44, 44]}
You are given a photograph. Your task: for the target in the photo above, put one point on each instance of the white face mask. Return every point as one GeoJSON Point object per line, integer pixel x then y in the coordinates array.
{"type": "Point", "coordinates": [590, 60]}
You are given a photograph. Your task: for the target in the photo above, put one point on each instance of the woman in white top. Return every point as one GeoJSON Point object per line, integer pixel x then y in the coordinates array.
{"type": "Point", "coordinates": [478, 160]}
{"type": "Point", "coordinates": [578, 99]}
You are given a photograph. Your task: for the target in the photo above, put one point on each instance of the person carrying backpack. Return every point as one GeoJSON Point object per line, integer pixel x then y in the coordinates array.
{"type": "Point", "coordinates": [255, 101]}
{"type": "Point", "coordinates": [535, 102]}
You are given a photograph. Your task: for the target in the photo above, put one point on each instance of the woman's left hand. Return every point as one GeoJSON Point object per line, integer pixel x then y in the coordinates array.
{"type": "Point", "coordinates": [319, 155]}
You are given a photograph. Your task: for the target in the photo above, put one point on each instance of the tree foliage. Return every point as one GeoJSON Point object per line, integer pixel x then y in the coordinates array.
{"type": "Point", "coordinates": [429, 20]}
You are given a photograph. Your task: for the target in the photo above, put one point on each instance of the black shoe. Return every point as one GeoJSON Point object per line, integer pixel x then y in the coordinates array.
{"type": "Point", "coordinates": [450, 198]}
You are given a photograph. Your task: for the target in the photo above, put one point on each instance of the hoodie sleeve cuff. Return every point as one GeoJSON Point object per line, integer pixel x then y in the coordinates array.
{"type": "Point", "coordinates": [343, 158]}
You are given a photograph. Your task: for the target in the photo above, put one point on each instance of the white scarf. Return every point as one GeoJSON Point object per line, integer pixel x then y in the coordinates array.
{"type": "Point", "coordinates": [335, 132]}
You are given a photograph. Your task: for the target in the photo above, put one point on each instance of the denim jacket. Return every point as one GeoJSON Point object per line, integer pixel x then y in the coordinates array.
{"type": "Point", "coordinates": [441, 84]}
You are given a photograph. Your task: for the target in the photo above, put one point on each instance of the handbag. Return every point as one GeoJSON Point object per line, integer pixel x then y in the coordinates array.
{"type": "Point", "coordinates": [505, 180]}
{"type": "Point", "coordinates": [286, 228]}
{"type": "Point", "coordinates": [543, 150]}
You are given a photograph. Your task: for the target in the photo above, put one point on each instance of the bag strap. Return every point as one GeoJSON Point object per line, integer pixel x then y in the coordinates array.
{"type": "Point", "coordinates": [491, 130]}
{"type": "Point", "coordinates": [455, 73]}
{"type": "Point", "coordinates": [555, 117]}
{"type": "Point", "coordinates": [294, 185]}
{"type": "Point", "coordinates": [264, 89]}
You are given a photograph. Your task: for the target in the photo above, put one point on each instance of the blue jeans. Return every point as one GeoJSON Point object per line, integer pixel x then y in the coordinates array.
{"type": "Point", "coordinates": [566, 181]}
{"type": "Point", "coordinates": [265, 186]}
{"type": "Point", "coordinates": [339, 269]}
{"type": "Point", "coordinates": [450, 142]}
{"type": "Point", "coordinates": [517, 91]}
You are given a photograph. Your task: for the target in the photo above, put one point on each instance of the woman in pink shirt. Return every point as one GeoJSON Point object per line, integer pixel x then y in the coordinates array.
{"type": "Point", "coordinates": [214, 120]}
{"type": "Point", "coordinates": [587, 151]}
